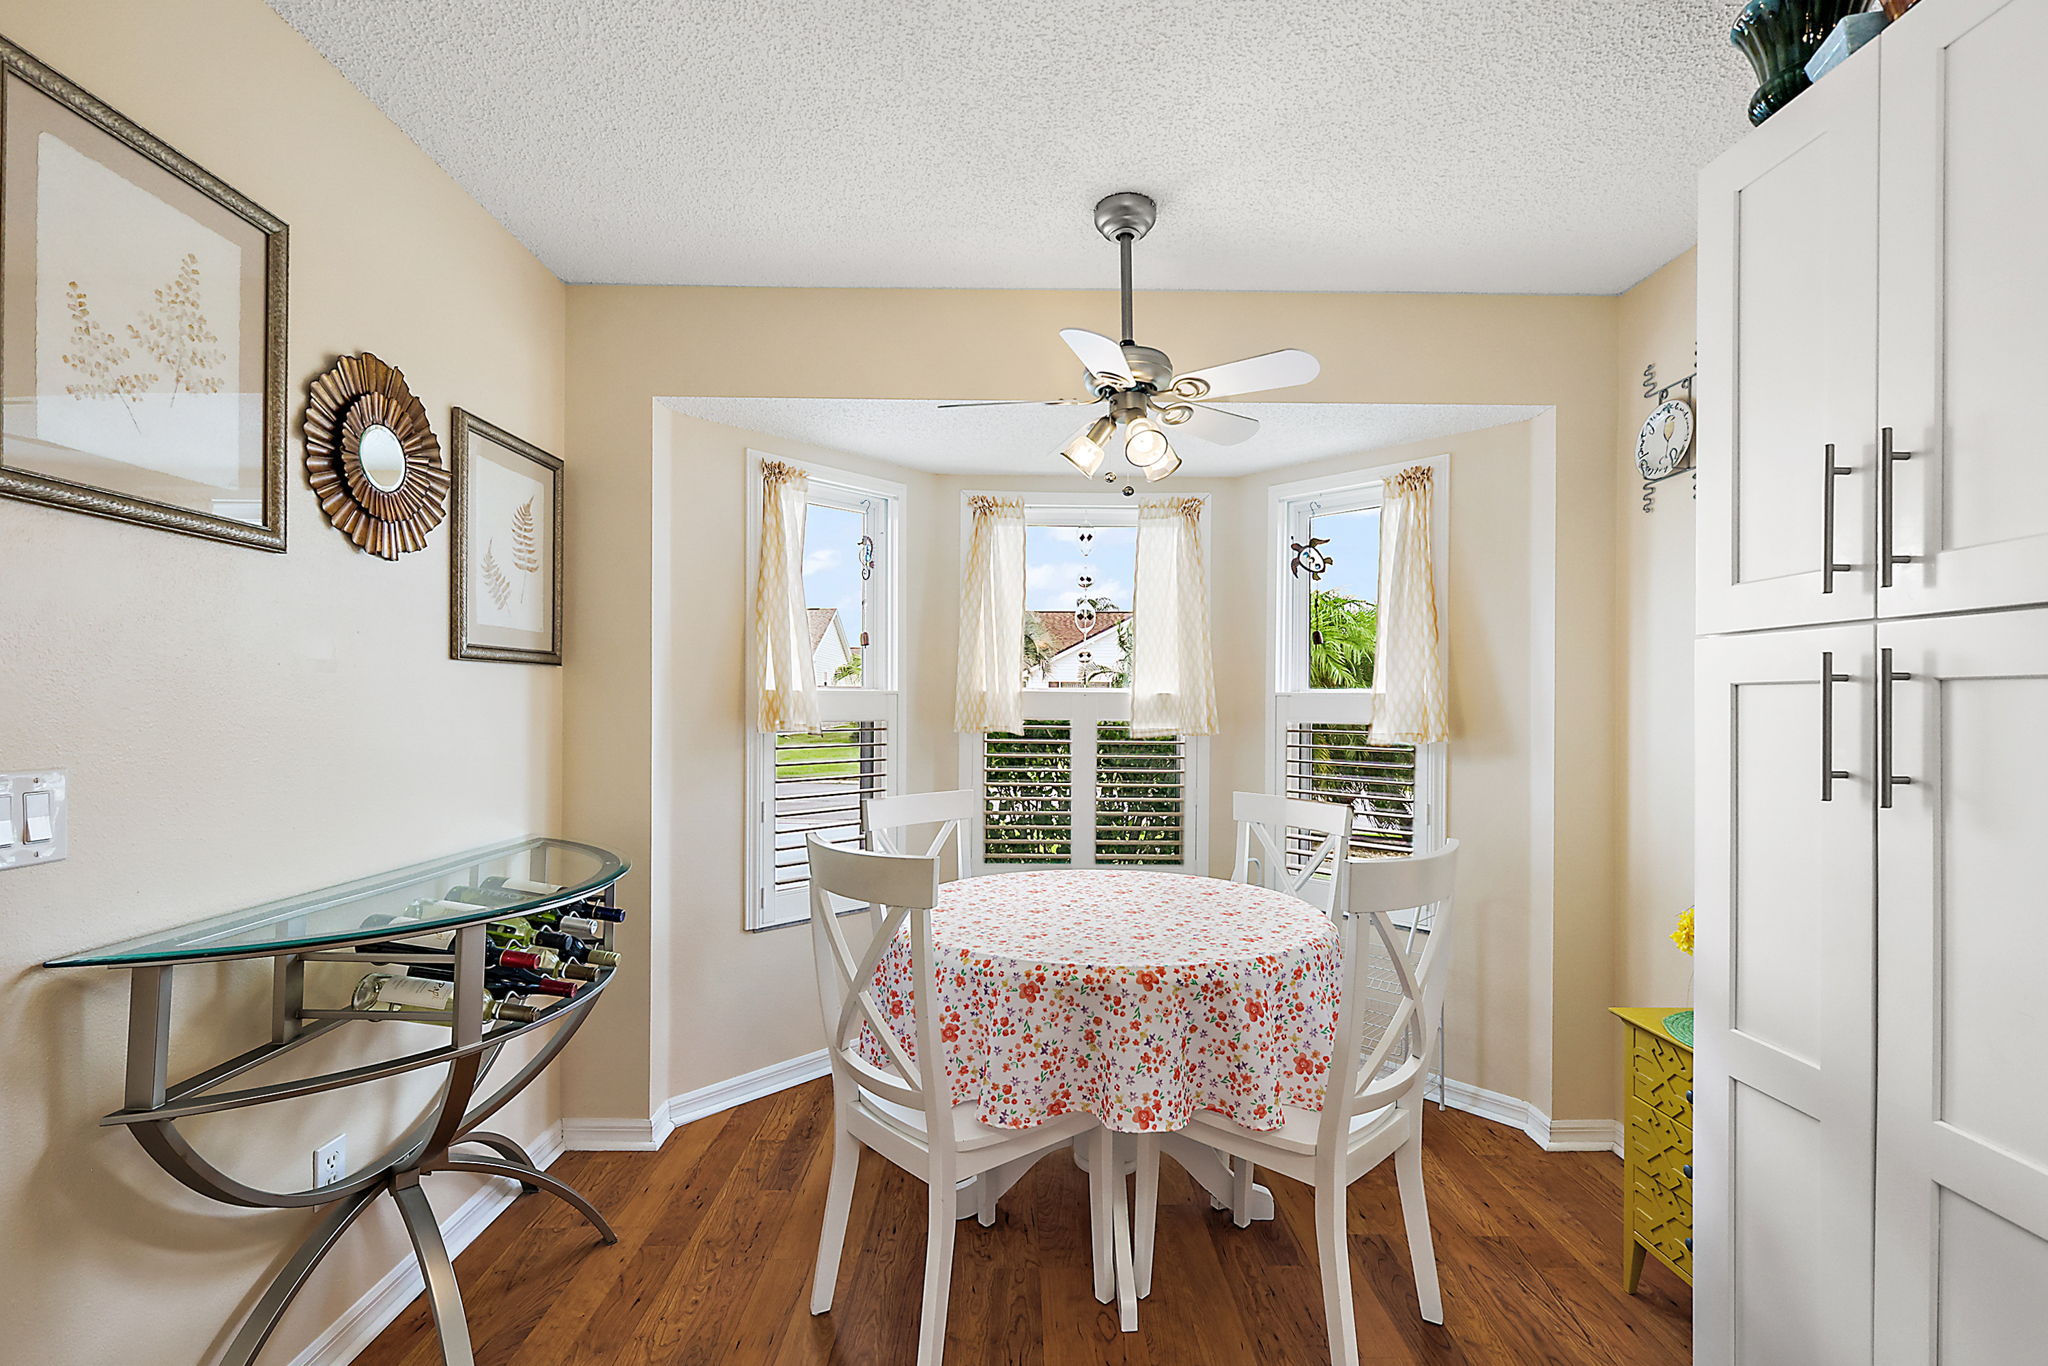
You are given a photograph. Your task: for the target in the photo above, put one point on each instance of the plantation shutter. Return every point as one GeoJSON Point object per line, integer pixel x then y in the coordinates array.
{"type": "Point", "coordinates": [1084, 793]}
{"type": "Point", "coordinates": [1331, 761]}
{"type": "Point", "coordinates": [819, 784]}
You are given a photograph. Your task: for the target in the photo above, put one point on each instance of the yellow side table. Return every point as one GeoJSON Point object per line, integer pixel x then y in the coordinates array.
{"type": "Point", "coordinates": [1656, 1183]}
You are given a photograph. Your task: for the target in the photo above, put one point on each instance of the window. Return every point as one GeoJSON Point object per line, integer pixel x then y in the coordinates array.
{"type": "Point", "coordinates": [1074, 789]}
{"type": "Point", "coordinates": [1324, 654]}
{"type": "Point", "coordinates": [800, 784]}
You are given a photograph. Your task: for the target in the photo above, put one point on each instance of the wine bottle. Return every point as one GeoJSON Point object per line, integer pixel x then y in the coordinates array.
{"type": "Point", "coordinates": [526, 889]}
{"type": "Point", "coordinates": [595, 909]}
{"type": "Point", "coordinates": [382, 991]}
{"type": "Point", "coordinates": [576, 950]}
{"type": "Point", "coordinates": [501, 981]}
{"type": "Point", "coordinates": [581, 928]}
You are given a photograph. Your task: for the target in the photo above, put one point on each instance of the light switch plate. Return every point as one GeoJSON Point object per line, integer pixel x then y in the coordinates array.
{"type": "Point", "coordinates": [33, 803]}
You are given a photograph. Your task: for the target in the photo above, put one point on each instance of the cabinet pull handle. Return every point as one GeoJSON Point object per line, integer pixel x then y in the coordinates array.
{"type": "Point", "coordinates": [1886, 779]}
{"type": "Point", "coordinates": [1828, 772]}
{"type": "Point", "coordinates": [1829, 567]}
{"type": "Point", "coordinates": [1887, 518]}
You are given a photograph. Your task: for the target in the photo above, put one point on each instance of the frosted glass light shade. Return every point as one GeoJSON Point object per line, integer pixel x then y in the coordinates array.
{"type": "Point", "coordinates": [1084, 452]}
{"type": "Point", "coordinates": [1144, 443]}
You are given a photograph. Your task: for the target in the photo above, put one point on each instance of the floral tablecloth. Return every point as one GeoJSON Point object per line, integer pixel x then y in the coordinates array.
{"type": "Point", "coordinates": [1138, 997]}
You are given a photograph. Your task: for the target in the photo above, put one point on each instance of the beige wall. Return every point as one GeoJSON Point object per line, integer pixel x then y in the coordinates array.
{"type": "Point", "coordinates": [630, 346]}
{"type": "Point", "coordinates": [240, 725]}
{"type": "Point", "coordinates": [1655, 623]}
{"type": "Point", "coordinates": [1494, 1006]}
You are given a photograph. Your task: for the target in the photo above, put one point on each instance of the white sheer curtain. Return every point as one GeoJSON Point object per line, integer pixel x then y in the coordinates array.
{"type": "Point", "coordinates": [1173, 677]}
{"type": "Point", "coordinates": [990, 696]}
{"type": "Point", "coordinates": [782, 628]}
{"type": "Point", "coordinates": [1411, 705]}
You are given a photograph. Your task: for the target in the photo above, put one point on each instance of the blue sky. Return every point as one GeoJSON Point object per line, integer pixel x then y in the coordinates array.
{"type": "Point", "coordinates": [832, 565]}
{"type": "Point", "coordinates": [1354, 548]}
{"type": "Point", "coordinates": [1054, 564]}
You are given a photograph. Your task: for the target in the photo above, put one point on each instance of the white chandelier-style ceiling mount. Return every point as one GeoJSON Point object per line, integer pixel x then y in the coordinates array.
{"type": "Point", "coordinates": [1145, 399]}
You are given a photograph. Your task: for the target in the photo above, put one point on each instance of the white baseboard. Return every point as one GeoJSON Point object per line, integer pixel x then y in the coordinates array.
{"type": "Point", "coordinates": [1553, 1136]}
{"type": "Point", "coordinates": [615, 1135]}
{"type": "Point", "coordinates": [359, 1324]}
{"type": "Point", "coordinates": [647, 1135]}
{"type": "Point", "coordinates": [762, 1081]}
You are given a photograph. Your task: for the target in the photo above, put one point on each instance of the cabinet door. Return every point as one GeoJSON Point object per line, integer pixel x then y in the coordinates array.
{"type": "Point", "coordinates": [1788, 364]}
{"type": "Point", "coordinates": [1964, 289]}
{"type": "Point", "coordinates": [1783, 1071]}
{"type": "Point", "coordinates": [1962, 1154]}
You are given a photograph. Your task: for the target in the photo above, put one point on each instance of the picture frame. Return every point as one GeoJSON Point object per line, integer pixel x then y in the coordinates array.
{"type": "Point", "coordinates": [142, 323]}
{"type": "Point", "coordinates": [505, 558]}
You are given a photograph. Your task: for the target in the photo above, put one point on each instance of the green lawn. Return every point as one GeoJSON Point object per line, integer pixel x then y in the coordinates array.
{"type": "Point", "coordinates": [831, 754]}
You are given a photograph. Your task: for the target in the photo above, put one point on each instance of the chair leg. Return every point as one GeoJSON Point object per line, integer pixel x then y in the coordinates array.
{"type": "Point", "coordinates": [838, 1203]}
{"type": "Point", "coordinates": [985, 1199]}
{"type": "Point", "coordinates": [1147, 1210]}
{"type": "Point", "coordinates": [1415, 1213]}
{"type": "Point", "coordinates": [1101, 1206]}
{"type": "Point", "coordinates": [941, 1215]}
{"type": "Point", "coordinates": [1242, 1170]}
{"type": "Point", "coordinates": [1333, 1252]}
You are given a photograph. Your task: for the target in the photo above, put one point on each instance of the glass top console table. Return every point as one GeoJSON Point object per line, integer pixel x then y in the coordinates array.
{"type": "Point", "coordinates": [491, 945]}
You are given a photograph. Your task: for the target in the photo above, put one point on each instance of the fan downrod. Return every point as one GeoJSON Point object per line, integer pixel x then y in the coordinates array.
{"type": "Point", "coordinates": [1125, 214]}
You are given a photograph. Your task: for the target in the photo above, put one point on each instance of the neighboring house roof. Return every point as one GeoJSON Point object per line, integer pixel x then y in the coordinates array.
{"type": "Point", "coordinates": [1064, 633]}
{"type": "Point", "coordinates": [822, 620]}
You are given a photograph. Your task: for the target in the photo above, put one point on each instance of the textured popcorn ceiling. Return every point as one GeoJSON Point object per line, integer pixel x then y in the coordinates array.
{"type": "Point", "coordinates": [1027, 440]}
{"type": "Point", "coordinates": [1523, 146]}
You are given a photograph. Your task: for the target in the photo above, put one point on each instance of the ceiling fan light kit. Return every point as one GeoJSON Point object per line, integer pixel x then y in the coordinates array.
{"type": "Point", "coordinates": [1138, 383]}
{"type": "Point", "coordinates": [1085, 450]}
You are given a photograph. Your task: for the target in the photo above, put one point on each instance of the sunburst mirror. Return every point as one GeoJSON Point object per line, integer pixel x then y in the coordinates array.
{"type": "Point", "coordinates": [373, 458]}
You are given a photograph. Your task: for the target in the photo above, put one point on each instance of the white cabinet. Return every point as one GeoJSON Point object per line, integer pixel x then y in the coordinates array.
{"type": "Point", "coordinates": [1871, 1141]}
{"type": "Point", "coordinates": [1788, 365]}
{"type": "Point", "coordinates": [1962, 1154]}
{"type": "Point", "coordinates": [1963, 350]}
{"type": "Point", "coordinates": [1785, 1000]}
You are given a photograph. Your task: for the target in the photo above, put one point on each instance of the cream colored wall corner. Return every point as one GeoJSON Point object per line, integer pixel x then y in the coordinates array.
{"type": "Point", "coordinates": [1654, 627]}
{"type": "Point", "coordinates": [740, 1000]}
{"type": "Point", "coordinates": [637, 523]}
{"type": "Point", "coordinates": [240, 725]}
{"type": "Point", "coordinates": [1493, 1007]}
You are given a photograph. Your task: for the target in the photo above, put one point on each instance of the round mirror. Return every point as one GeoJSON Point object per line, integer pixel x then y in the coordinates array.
{"type": "Point", "coordinates": [382, 456]}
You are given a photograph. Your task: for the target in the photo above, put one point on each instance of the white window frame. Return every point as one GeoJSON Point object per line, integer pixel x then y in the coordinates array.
{"type": "Point", "coordinates": [879, 697]}
{"type": "Point", "coordinates": [1289, 699]}
{"type": "Point", "coordinates": [1090, 706]}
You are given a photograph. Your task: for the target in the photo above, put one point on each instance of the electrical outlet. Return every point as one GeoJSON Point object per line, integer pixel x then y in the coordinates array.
{"type": "Point", "coordinates": [330, 1161]}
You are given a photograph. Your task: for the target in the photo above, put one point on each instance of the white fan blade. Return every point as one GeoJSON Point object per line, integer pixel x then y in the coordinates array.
{"type": "Point", "coordinates": [1204, 423]}
{"type": "Point", "coordinates": [1025, 403]}
{"type": "Point", "coordinates": [1103, 357]}
{"type": "Point", "coordinates": [1274, 370]}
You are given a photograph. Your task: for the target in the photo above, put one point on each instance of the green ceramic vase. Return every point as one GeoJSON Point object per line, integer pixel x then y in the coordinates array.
{"type": "Point", "coordinates": [1779, 37]}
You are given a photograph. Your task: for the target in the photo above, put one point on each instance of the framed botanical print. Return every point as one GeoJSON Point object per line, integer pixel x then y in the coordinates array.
{"type": "Point", "coordinates": [505, 602]}
{"type": "Point", "coordinates": [142, 323]}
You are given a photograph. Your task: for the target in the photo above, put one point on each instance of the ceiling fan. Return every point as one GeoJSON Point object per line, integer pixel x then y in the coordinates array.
{"type": "Point", "coordinates": [1146, 400]}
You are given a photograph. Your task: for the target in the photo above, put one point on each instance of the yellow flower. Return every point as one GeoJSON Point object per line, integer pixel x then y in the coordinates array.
{"type": "Point", "coordinates": [1682, 936]}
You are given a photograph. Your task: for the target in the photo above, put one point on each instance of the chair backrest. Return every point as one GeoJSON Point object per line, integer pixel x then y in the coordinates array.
{"type": "Point", "coordinates": [1263, 825]}
{"type": "Point", "coordinates": [1390, 992]}
{"type": "Point", "coordinates": [886, 821]}
{"type": "Point", "coordinates": [902, 888]}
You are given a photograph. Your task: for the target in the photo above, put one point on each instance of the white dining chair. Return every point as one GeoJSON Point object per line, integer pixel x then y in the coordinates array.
{"type": "Point", "coordinates": [888, 821]}
{"type": "Point", "coordinates": [1373, 1106]}
{"type": "Point", "coordinates": [1264, 823]}
{"type": "Point", "coordinates": [902, 1110]}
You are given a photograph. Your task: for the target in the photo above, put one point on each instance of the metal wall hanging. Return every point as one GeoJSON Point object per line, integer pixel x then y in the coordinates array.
{"type": "Point", "coordinates": [1664, 443]}
{"type": "Point", "coordinates": [373, 458]}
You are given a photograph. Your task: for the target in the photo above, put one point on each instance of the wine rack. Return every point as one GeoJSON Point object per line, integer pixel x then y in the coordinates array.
{"type": "Point", "coordinates": [332, 925]}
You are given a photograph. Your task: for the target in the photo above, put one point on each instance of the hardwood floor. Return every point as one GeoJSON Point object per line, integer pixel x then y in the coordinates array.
{"type": "Point", "coordinates": [718, 1230]}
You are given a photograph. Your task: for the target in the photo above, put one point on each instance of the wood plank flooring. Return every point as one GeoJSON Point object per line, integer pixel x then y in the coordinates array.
{"type": "Point", "coordinates": [718, 1230]}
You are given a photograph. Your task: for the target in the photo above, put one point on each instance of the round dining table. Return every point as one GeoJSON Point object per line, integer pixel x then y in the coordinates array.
{"type": "Point", "coordinates": [1139, 997]}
